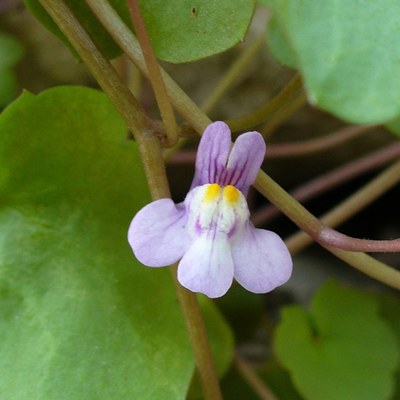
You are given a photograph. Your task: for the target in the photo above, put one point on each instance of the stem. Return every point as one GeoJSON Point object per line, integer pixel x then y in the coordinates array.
{"type": "Point", "coordinates": [306, 147]}
{"type": "Point", "coordinates": [253, 379]}
{"type": "Point", "coordinates": [363, 197]}
{"type": "Point", "coordinates": [150, 150]}
{"type": "Point", "coordinates": [283, 114]}
{"type": "Point", "coordinates": [233, 73]}
{"type": "Point", "coordinates": [182, 157]}
{"type": "Point", "coordinates": [312, 226]}
{"type": "Point", "coordinates": [264, 112]}
{"type": "Point", "coordinates": [330, 180]}
{"type": "Point", "coordinates": [369, 266]}
{"type": "Point", "coordinates": [205, 364]}
{"type": "Point", "coordinates": [154, 73]}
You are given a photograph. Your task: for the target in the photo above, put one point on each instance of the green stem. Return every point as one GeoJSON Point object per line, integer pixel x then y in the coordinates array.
{"type": "Point", "coordinates": [249, 375]}
{"type": "Point", "coordinates": [233, 73]}
{"type": "Point", "coordinates": [157, 82]}
{"type": "Point", "coordinates": [150, 150]}
{"type": "Point", "coordinates": [286, 111]}
{"type": "Point", "coordinates": [258, 116]}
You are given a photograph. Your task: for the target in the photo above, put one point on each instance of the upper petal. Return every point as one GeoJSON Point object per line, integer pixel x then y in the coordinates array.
{"type": "Point", "coordinates": [212, 154]}
{"type": "Point", "coordinates": [157, 233]}
{"type": "Point", "coordinates": [261, 260]}
{"type": "Point", "coordinates": [245, 161]}
{"type": "Point", "coordinates": [207, 266]}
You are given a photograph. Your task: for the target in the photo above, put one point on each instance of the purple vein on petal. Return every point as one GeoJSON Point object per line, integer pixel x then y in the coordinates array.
{"type": "Point", "coordinates": [212, 154]}
{"type": "Point", "coordinates": [245, 160]}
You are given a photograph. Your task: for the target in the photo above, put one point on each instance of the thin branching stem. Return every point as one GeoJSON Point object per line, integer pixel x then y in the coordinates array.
{"type": "Point", "coordinates": [157, 82]}
{"type": "Point", "coordinates": [150, 150]}
{"type": "Point", "coordinates": [233, 73]}
{"type": "Point", "coordinates": [250, 376]}
{"type": "Point", "coordinates": [306, 147]}
{"type": "Point", "coordinates": [292, 149]}
{"type": "Point", "coordinates": [331, 179]}
{"type": "Point", "coordinates": [261, 114]}
{"type": "Point", "coordinates": [283, 114]}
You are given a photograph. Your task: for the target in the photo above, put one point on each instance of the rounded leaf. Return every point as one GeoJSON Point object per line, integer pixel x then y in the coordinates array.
{"type": "Point", "coordinates": [346, 53]}
{"type": "Point", "coordinates": [341, 349]}
{"type": "Point", "coordinates": [188, 30]}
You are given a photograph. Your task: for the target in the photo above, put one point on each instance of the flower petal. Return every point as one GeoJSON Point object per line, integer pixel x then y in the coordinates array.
{"type": "Point", "coordinates": [245, 161]}
{"type": "Point", "coordinates": [212, 154]}
{"type": "Point", "coordinates": [157, 233]}
{"type": "Point", "coordinates": [207, 267]}
{"type": "Point", "coordinates": [261, 260]}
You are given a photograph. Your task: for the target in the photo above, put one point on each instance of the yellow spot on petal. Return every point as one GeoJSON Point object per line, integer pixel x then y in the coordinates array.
{"type": "Point", "coordinates": [231, 194]}
{"type": "Point", "coordinates": [212, 192]}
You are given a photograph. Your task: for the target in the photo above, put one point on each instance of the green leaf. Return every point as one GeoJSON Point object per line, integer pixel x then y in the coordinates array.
{"type": "Point", "coordinates": [11, 52]}
{"type": "Point", "coordinates": [279, 45]}
{"type": "Point", "coordinates": [188, 30]}
{"type": "Point", "coordinates": [80, 318]}
{"type": "Point", "coordinates": [180, 30]}
{"type": "Point", "coordinates": [341, 349]}
{"type": "Point", "coordinates": [346, 52]}
{"type": "Point", "coordinates": [96, 31]}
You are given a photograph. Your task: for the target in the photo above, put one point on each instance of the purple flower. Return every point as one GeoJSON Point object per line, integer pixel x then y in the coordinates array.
{"type": "Point", "coordinates": [210, 231]}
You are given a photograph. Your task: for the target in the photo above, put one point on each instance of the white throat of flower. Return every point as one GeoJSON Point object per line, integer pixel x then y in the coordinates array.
{"type": "Point", "coordinates": [212, 208]}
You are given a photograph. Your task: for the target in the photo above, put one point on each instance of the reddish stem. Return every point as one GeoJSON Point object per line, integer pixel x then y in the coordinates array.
{"type": "Point", "coordinates": [321, 143]}
{"type": "Point", "coordinates": [331, 180]}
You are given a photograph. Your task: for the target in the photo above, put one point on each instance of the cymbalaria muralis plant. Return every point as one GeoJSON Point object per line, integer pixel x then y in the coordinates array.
{"type": "Point", "coordinates": [80, 316]}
